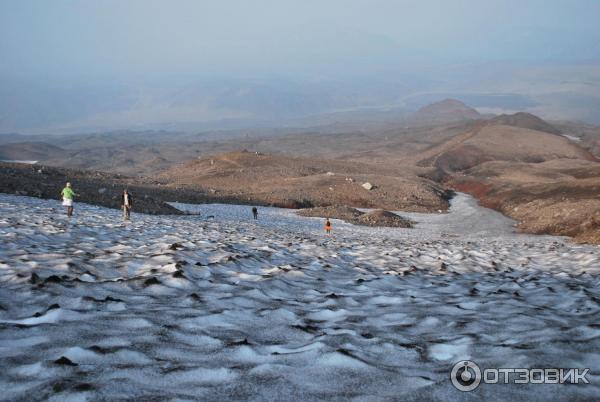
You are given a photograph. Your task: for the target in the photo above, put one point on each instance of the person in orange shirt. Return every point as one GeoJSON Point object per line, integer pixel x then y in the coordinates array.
{"type": "Point", "coordinates": [328, 227]}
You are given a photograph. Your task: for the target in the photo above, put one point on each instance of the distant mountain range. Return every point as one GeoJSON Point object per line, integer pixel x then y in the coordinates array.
{"type": "Point", "coordinates": [142, 152]}
{"type": "Point", "coordinates": [565, 92]}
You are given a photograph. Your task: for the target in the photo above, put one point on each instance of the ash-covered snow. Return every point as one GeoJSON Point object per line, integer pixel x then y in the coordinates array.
{"type": "Point", "coordinates": [200, 308]}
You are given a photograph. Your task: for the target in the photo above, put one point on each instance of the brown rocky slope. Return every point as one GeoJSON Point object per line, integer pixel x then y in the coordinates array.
{"type": "Point", "coordinates": [546, 182]}
{"type": "Point", "coordinates": [560, 197]}
{"type": "Point", "coordinates": [303, 182]}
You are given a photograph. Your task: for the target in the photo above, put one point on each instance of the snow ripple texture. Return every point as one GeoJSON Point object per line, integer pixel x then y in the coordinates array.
{"type": "Point", "coordinates": [224, 307]}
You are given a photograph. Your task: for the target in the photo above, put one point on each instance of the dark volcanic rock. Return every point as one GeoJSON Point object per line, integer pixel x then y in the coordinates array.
{"type": "Point", "coordinates": [151, 281]}
{"type": "Point", "coordinates": [63, 361]}
{"type": "Point", "coordinates": [25, 179]}
{"type": "Point", "coordinates": [35, 278]}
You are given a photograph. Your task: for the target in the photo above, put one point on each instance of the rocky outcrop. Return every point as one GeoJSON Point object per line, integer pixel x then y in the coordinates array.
{"type": "Point", "coordinates": [377, 217]}
{"type": "Point", "coordinates": [91, 187]}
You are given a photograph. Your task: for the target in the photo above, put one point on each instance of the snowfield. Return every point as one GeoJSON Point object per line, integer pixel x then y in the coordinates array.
{"type": "Point", "coordinates": [224, 307]}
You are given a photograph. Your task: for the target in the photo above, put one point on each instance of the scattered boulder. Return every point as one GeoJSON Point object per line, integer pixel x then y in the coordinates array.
{"type": "Point", "coordinates": [35, 278]}
{"type": "Point", "coordinates": [151, 281]}
{"type": "Point", "coordinates": [53, 279]}
{"type": "Point", "coordinates": [63, 361]}
{"type": "Point", "coordinates": [367, 186]}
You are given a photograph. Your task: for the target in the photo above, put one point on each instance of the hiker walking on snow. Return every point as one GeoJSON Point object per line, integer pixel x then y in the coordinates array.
{"type": "Point", "coordinates": [255, 212]}
{"type": "Point", "coordinates": [327, 227]}
{"type": "Point", "coordinates": [126, 204]}
{"type": "Point", "coordinates": [68, 194]}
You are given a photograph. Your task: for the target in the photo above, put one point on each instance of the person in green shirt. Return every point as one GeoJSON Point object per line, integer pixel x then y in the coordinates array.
{"type": "Point", "coordinates": [68, 194]}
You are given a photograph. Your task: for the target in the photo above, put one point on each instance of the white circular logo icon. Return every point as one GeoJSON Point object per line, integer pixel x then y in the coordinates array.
{"type": "Point", "coordinates": [465, 375]}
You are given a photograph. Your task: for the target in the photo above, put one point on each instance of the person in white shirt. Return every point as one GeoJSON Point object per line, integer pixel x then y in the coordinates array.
{"type": "Point", "coordinates": [126, 204]}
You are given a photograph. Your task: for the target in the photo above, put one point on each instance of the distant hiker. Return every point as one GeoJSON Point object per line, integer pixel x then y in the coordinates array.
{"type": "Point", "coordinates": [327, 227]}
{"type": "Point", "coordinates": [126, 204]}
{"type": "Point", "coordinates": [255, 212]}
{"type": "Point", "coordinates": [67, 195]}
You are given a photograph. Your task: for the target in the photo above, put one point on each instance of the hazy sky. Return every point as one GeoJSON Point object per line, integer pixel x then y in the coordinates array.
{"type": "Point", "coordinates": [101, 64]}
{"type": "Point", "coordinates": [56, 40]}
